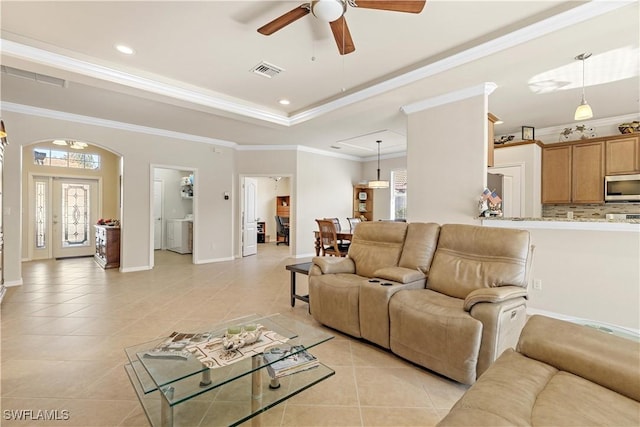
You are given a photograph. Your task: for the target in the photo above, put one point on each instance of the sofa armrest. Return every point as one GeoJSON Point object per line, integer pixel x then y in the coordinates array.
{"type": "Point", "coordinates": [334, 265]}
{"type": "Point", "coordinates": [400, 274]}
{"type": "Point", "coordinates": [493, 295]}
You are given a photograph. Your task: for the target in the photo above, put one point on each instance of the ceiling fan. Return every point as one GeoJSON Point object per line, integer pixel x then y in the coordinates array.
{"type": "Point", "coordinates": [332, 11]}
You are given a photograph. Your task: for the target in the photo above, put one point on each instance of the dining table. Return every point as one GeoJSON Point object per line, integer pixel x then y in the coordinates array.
{"type": "Point", "coordinates": [340, 235]}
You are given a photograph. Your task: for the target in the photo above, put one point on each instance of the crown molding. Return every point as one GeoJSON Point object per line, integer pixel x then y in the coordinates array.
{"type": "Point", "coordinates": [574, 16]}
{"type": "Point", "coordinates": [112, 124]}
{"type": "Point", "coordinates": [484, 89]}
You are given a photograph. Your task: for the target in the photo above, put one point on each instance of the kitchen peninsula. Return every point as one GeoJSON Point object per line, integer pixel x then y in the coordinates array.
{"type": "Point", "coordinates": [583, 268]}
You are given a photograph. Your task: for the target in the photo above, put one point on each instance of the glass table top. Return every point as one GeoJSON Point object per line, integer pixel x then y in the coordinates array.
{"type": "Point", "coordinates": [189, 377]}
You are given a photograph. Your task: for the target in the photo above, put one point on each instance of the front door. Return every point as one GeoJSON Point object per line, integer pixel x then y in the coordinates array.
{"type": "Point", "coordinates": [249, 219]}
{"type": "Point", "coordinates": [74, 210]}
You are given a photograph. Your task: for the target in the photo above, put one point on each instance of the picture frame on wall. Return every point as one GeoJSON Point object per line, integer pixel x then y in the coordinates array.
{"type": "Point", "coordinates": [528, 133]}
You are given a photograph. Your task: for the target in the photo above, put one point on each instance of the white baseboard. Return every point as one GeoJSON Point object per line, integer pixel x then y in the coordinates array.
{"type": "Point", "coordinates": [13, 283]}
{"type": "Point", "coordinates": [212, 260]}
{"type": "Point", "coordinates": [132, 269]}
{"type": "Point", "coordinates": [574, 319]}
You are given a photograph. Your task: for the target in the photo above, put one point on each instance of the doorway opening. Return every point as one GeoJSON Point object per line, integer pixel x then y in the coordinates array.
{"type": "Point", "coordinates": [70, 185]}
{"type": "Point", "coordinates": [265, 200]}
{"type": "Point", "coordinates": [173, 223]}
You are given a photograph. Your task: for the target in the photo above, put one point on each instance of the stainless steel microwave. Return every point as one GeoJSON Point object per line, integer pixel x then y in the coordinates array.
{"type": "Point", "coordinates": [622, 188]}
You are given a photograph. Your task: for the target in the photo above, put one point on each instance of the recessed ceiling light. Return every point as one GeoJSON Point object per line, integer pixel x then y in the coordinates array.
{"type": "Point", "coordinates": [284, 102]}
{"type": "Point", "coordinates": [125, 49]}
{"type": "Point", "coordinates": [498, 122]}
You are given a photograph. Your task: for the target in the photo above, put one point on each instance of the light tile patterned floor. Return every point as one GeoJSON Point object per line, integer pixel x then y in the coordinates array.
{"type": "Point", "coordinates": [64, 331]}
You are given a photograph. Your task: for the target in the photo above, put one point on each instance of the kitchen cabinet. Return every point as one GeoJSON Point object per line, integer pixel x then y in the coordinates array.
{"type": "Point", "coordinates": [587, 176]}
{"type": "Point", "coordinates": [622, 156]}
{"type": "Point", "coordinates": [573, 173]}
{"type": "Point", "coordinates": [107, 246]}
{"type": "Point", "coordinates": [556, 174]}
{"type": "Point", "coordinates": [363, 202]}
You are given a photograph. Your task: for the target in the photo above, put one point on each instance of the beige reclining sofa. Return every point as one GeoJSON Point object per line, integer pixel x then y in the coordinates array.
{"type": "Point", "coordinates": [450, 298]}
{"type": "Point", "coordinates": [562, 374]}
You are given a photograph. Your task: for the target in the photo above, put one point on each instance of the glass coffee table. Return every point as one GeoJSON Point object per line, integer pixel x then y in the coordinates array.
{"type": "Point", "coordinates": [185, 391]}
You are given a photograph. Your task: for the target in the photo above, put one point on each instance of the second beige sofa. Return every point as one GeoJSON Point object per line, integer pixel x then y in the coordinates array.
{"type": "Point", "coordinates": [450, 298]}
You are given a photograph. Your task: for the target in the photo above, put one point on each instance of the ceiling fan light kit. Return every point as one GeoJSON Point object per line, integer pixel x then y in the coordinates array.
{"type": "Point", "coordinates": [333, 12]}
{"type": "Point", "coordinates": [583, 112]}
{"type": "Point", "coordinates": [328, 10]}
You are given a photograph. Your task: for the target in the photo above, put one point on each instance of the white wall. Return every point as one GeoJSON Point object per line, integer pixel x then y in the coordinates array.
{"type": "Point", "coordinates": [446, 161]}
{"type": "Point", "coordinates": [530, 156]}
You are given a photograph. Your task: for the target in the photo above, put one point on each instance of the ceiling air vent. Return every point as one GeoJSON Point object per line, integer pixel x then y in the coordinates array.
{"type": "Point", "coordinates": [267, 70]}
{"type": "Point", "coordinates": [40, 78]}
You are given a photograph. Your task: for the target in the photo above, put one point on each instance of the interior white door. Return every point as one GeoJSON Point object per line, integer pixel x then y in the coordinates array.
{"type": "Point", "coordinates": [74, 210]}
{"type": "Point", "coordinates": [249, 217]}
{"type": "Point", "coordinates": [157, 214]}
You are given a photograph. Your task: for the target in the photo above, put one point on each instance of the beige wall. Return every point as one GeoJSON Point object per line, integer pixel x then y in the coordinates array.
{"type": "Point", "coordinates": [446, 161]}
{"type": "Point", "coordinates": [324, 189]}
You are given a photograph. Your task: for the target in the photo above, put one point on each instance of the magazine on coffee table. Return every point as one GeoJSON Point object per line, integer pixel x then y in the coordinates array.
{"type": "Point", "coordinates": [288, 359]}
{"type": "Point", "coordinates": [209, 348]}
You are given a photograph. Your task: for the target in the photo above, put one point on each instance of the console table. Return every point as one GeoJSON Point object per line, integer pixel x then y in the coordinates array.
{"type": "Point", "coordinates": [239, 391]}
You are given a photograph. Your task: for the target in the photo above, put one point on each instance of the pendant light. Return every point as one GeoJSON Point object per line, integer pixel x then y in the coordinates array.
{"type": "Point", "coordinates": [583, 112]}
{"type": "Point", "coordinates": [378, 183]}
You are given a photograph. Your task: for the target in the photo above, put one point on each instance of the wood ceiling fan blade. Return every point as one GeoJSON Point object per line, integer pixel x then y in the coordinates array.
{"type": "Point", "coordinates": [342, 35]}
{"type": "Point", "coordinates": [284, 20]}
{"type": "Point", "coordinates": [408, 6]}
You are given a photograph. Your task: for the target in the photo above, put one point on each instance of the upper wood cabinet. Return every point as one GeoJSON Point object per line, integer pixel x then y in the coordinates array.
{"type": "Point", "coordinates": [587, 175]}
{"type": "Point", "coordinates": [556, 174]}
{"type": "Point", "coordinates": [622, 156]}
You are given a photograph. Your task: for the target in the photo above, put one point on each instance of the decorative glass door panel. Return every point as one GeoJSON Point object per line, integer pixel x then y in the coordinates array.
{"type": "Point", "coordinates": [74, 211]}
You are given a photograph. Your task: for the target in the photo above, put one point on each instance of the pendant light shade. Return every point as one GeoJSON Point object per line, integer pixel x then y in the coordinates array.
{"type": "Point", "coordinates": [583, 112]}
{"type": "Point", "coordinates": [378, 183]}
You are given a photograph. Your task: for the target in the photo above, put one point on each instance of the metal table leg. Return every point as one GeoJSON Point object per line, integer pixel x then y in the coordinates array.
{"type": "Point", "coordinates": [256, 389]}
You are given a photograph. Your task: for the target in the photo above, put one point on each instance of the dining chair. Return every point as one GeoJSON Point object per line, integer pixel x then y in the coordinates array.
{"type": "Point", "coordinates": [282, 230]}
{"type": "Point", "coordinates": [329, 244]}
{"type": "Point", "coordinates": [352, 223]}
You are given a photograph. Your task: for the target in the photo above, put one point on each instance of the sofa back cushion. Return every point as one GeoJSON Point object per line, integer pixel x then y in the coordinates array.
{"type": "Point", "coordinates": [470, 257]}
{"type": "Point", "coordinates": [604, 359]}
{"type": "Point", "coordinates": [419, 246]}
{"type": "Point", "coordinates": [376, 245]}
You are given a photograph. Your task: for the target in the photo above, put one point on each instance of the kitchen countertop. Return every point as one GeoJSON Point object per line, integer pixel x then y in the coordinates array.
{"type": "Point", "coordinates": [586, 224]}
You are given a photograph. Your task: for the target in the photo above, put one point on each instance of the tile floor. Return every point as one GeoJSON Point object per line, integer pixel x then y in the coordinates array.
{"type": "Point", "coordinates": [64, 331]}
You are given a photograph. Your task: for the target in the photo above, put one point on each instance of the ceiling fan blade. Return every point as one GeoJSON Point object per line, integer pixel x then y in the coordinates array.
{"type": "Point", "coordinates": [284, 20]}
{"type": "Point", "coordinates": [408, 6]}
{"type": "Point", "coordinates": [342, 35]}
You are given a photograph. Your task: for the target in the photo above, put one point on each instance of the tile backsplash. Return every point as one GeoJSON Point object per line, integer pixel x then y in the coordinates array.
{"type": "Point", "coordinates": [589, 211]}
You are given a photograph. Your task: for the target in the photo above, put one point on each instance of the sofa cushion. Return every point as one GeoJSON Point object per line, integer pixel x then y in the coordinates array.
{"type": "Point", "coordinates": [434, 330]}
{"type": "Point", "coordinates": [419, 246]}
{"type": "Point", "coordinates": [470, 257]}
{"type": "Point", "coordinates": [608, 360]}
{"type": "Point", "coordinates": [569, 400]}
{"type": "Point", "coordinates": [334, 301]}
{"type": "Point", "coordinates": [504, 395]}
{"type": "Point", "coordinates": [376, 245]}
